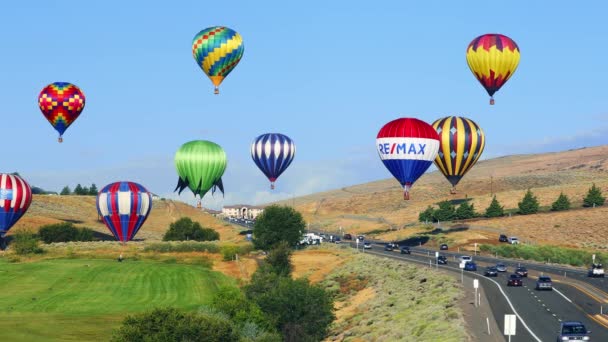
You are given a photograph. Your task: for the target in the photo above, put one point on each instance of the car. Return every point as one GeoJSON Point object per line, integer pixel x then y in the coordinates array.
{"type": "Point", "coordinates": [443, 247]}
{"type": "Point", "coordinates": [500, 267]}
{"type": "Point", "coordinates": [573, 331]}
{"type": "Point", "coordinates": [405, 250]}
{"type": "Point", "coordinates": [470, 266]}
{"type": "Point", "coordinates": [596, 270]}
{"type": "Point", "coordinates": [388, 247]}
{"type": "Point", "coordinates": [503, 238]}
{"type": "Point", "coordinates": [337, 240]}
{"type": "Point", "coordinates": [347, 237]}
{"type": "Point", "coordinates": [360, 237]}
{"type": "Point", "coordinates": [522, 271]}
{"type": "Point", "coordinates": [513, 240]}
{"type": "Point", "coordinates": [515, 280]}
{"type": "Point", "coordinates": [491, 271]}
{"type": "Point", "coordinates": [367, 245]}
{"type": "Point", "coordinates": [465, 258]}
{"type": "Point", "coordinates": [544, 283]}
{"type": "Point", "coordinates": [442, 260]}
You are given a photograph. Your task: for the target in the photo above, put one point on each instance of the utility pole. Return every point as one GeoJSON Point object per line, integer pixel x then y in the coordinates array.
{"type": "Point", "coordinates": [491, 185]}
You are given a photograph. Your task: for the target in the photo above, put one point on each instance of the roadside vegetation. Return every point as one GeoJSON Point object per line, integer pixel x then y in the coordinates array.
{"type": "Point", "coordinates": [552, 254]}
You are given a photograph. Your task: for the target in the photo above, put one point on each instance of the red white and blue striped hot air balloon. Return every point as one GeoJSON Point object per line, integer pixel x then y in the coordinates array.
{"type": "Point", "coordinates": [407, 147]}
{"type": "Point", "coordinates": [273, 153]}
{"type": "Point", "coordinates": [124, 207]}
{"type": "Point", "coordinates": [15, 199]}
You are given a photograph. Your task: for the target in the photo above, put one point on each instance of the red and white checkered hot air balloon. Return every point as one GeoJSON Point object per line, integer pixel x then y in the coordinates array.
{"type": "Point", "coordinates": [15, 199]}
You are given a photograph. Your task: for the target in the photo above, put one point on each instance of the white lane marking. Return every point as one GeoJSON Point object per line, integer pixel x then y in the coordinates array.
{"type": "Point", "coordinates": [561, 294]}
{"type": "Point", "coordinates": [492, 280]}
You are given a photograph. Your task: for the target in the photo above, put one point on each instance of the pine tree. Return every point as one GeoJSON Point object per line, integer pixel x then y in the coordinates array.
{"type": "Point", "coordinates": [529, 204]}
{"type": "Point", "coordinates": [93, 190]}
{"type": "Point", "coordinates": [594, 197]}
{"type": "Point", "coordinates": [465, 211]}
{"type": "Point", "coordinates": [78, 189]}
{"type": "Point", "coordinates": [66, 191]}
{"type": "Point", "coordinates": [426, 215]}
{"type": "Point", "coordinates": [445, 212]}
{"type": "Point", "coordinates": [561, 203]}
{"type": "Point", "coordinates": [495, 209]}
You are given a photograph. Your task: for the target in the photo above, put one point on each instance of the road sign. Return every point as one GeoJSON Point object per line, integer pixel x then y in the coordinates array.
{"type": "Point", "coordinates": [436, 254]}
{"type": "Point", "coordinates": [593, 257]}
{"type": "Point", "coordinates": [510, 321]}
{"type": "Point", "coordinates": [475, 283]}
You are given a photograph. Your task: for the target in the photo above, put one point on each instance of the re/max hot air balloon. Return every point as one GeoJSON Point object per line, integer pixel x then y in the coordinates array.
{"type": "Point", "coordinates": [124, 207]}
{"type": "Point", "coordinates": [407, 147]}
{"type": "Point", "coordinates": [15, 199]}
{"type": "Point", "coordinates": [493, 59]}
{"type": "Point", "coordinates": [461, 144]}
{"type": "Point", "coordinates": [217, 50]}
{"type": "Point", "coordinates": [61, 103]}
{"type": "Point", "coordinates": [200, 165]}
{"type": "Point", "coordinates": [273, 153]}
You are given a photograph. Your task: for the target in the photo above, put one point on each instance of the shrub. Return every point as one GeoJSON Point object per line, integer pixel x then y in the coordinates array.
{"type": "Point", "coordinates": [279, 259]}
{"type": "Point", "coordinates": [229, 252]}
{"type": "Point", "coordinates": [560, 255]}
{"type": "Point", "coordinates": [495, 209]}
{"type": "Point", "coordinates": [185, 229]}
{"type": "Point", "coordinates": [276, 224]}
{"type": "Point", "coordinates": [426, 215]}
{"type": "Point", "coordinates": [167, 247]}
{"type": "Point", "coordinates": [445, 212]}
{"type": "Point", "coordinates": [529, 204]}
{"type": "Point", "coordinates": [594, 197]}
{"type": "Point", "coordinates": [561, 203]}
{"type": "Point", "coordinates": [25, 242]}
{"type": "Point", "coordinates": [64, 232]}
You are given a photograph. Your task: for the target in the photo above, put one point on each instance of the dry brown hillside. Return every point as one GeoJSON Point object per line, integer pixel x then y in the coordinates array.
{"type": "Point", "coordinates": [380, 206]}
{"type": "Point", "coordinates": [81, 210]}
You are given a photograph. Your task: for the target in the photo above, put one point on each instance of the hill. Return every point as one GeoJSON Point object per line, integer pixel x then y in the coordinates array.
{"type": "Point", "coordinates": [82, 211]}
{"type": "Point", "coordinates": [378, 207]}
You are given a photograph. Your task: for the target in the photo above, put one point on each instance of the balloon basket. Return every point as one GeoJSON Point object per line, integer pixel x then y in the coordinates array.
{"type": "Point", "coordinates": [491, 101]}
{"type": "Point", "coordinates": [406, 196]}
{"type": "Point", "coordinates": [272, 186]}
{"type": "Point", "coordinates": [60, 139]}
{"type": "Point", "coordinates": [216, 90]}
{"type": "Point", "coordinates": [453, 191]}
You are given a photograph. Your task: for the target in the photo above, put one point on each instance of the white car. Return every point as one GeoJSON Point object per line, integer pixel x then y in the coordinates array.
{"type": "Point", "coordinates": [367, 245]}
{"type": "Point", "coordinates": [513, 240]}
{"type": "Point", "coordinates": [464, 259]}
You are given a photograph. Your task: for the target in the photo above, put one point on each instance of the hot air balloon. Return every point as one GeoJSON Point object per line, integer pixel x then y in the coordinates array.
{"type": "Point", "coordinates": [200, 165]}
{"type": "Point", "coordinates": [15, 199]}
{"type": "Point", "coordinates": [407, 147]}
{"type": "Point", "coordinates": [61, 103]}
{"type": "Point", "coordinates": [273, 153]}
{"type": "Point", "coordinates": [493, 59]}
{"type": "Point", "coordinates": [217, 50]}
{"type": "Point", "coordinates": [461, 144]}
{"type": "Point", "coordinates": [124, 207]}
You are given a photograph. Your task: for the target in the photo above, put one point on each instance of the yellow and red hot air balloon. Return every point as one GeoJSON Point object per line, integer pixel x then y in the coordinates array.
{"type": "Point", "coordinates": [461, 142]}
{"type": "Point", "coordinates": [493, 59]}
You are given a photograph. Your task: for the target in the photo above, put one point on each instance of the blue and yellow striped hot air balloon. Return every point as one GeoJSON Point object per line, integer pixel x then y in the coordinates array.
{"type": "Point", "coordinates": [461, 142]}
{"type": "Point", "coordinates": [217, 50]}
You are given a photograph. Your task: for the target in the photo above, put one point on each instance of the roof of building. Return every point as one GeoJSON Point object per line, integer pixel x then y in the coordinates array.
{"type": "Point", "coordinates": [240, 206]}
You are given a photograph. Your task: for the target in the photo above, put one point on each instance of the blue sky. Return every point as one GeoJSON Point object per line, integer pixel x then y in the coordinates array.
{"type": "Point", "coordinates": [327, 74]}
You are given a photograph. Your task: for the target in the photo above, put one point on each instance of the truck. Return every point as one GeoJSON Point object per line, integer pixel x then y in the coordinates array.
{"type": "Point", "coordinates": [311, 239]}
{"type": "Point", "coordinates": [596, 270]}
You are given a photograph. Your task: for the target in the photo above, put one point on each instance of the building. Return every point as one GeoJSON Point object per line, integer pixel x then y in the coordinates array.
{"type": "Point", "coordinates": [212, 212]}
{"type": "Point", "coordinates": [242, 211]}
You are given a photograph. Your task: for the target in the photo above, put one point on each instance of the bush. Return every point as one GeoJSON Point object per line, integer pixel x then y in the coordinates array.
{"type": "Point", "coordinates": [279, 259]}
{"type": "Point", "coordinates": [169, 324]}
{"type": "Point", "coordinates": [594, 197]}
{"type": "Point", "coordinates": [185, 229]}
{"type": "Point", "coordinates": [276, 224]}
{"type": "Point", "coordinates": [495, 209]}
{"type": "Point", "coordinates": [561, 203]}
{"type": "Point", "coordinates": [529, 204]}
{"type": "Point", "coordinates": [560, 255]}
{"type": "Point", "coordinates": [229, 252]}
{"type": "Point", "coordinates": [426, 215]}
{"type": "Point", "coordinates": [167, 247]}
{"type": "Point", "coordinates": [64, 232]}
{"type": "Point", "coordinates": [232, 302]}
{"type": "Point", "coordinates": [25, 242]}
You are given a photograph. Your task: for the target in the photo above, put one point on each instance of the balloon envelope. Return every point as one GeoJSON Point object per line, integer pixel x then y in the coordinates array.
{"type": "Point", "coordinates": [273, 153]}
{"type": "Point", "coordinates": [217, 50]}
{"type": "Point", "coordinates": [461, 143]}
{"type": "Point", "coordinates": [200, 165]}
{"type": "Point", "coordinates": [15, 199]}
{"type": "Point", "coordinates": [493, 59]}
{"type": "Point", "coordinates": [61, 103]}
{"type": "Point", "coordinates": [124, 207]}
{"type": "Point", "coordinates": [407, 147]}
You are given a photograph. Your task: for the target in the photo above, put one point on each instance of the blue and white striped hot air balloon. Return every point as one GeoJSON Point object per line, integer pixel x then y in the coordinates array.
{"type": "Point", "coordinates": [272, 153]}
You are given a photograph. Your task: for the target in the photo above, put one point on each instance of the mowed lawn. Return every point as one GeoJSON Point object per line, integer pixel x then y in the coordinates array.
{"type": "Point", "coordinates": [84, 300]}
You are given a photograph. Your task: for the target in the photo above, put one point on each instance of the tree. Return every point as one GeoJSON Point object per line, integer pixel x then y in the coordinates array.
{"type": "Point", "coordinates": [93, 190]}
{"type": "Point", "coordinates": [170, 324]}
{"type": "Point", "coordinates": [561, 203]}
{"type": "Point", "coordinates": [185, 229]}
{"type": "Point", "coordinates": [64, 232]}
{"type": "Point", "coordinates": [276, 224]}
{"type": "Point", "coordinates": [465, 211]}
{"type": "Point", "coordinates": [232, 302]}
{"type": "Point", "coordinates": [78, 190]}
{"type": "Point", "coordinates": [594, 197]}
{"type": "Point", "coordinates": [279, 259]}
{"type": "Point", "coordinates": [445, 212]}
{"type": "Point", "coordinates": [85, 191]}
{"type": "Point", "coordinates": [25, 242]}
{"type": "Point", "coordinates": [495, 209]}
{"type": "Point", "coordinates": [66, 191]}
{"type": "Point", "coordinates": [529, 204]}
{"type": "Point", "coordinates": [426, 215]}
{"type": "Point", "coordinates": [299, 310]}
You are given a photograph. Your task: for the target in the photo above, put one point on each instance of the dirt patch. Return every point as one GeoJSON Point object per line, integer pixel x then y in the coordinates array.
{"type": "Point", "coordinates": [349, 308]}
{"type": "Point", "coordinates": [316, 263]}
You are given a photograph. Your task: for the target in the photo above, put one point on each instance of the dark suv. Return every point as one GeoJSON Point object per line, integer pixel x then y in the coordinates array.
{"type": "Point", "coordinates": [442, 260]}
{"type": "Point", "coordinates": [405, 250]}
{"type": "Point", "coordinates": [573, 331]}
{"type": "Point", "coordinates": [348, 237]}
{"type": "Point", "coordinates": [522, 271]}
{"type": "Point", "coordinates": [503, 238]}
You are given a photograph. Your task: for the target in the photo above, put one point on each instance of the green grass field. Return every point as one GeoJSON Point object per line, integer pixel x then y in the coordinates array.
{"type": "Point", "coordinates": [84, 300]}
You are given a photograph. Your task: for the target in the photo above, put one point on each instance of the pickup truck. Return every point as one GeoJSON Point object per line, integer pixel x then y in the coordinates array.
{"type": "Point", "coordinates": [544, 283]}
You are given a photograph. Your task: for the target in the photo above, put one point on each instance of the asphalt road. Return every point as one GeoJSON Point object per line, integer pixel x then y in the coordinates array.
{"type": "Point", "coordinates": [540, 311]}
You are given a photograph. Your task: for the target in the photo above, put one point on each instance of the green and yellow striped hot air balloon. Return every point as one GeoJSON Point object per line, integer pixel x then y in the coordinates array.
{"type": "Point", "coordinates": [200, 165]}
{"type": "Point", "coordinates": [217, 50]}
